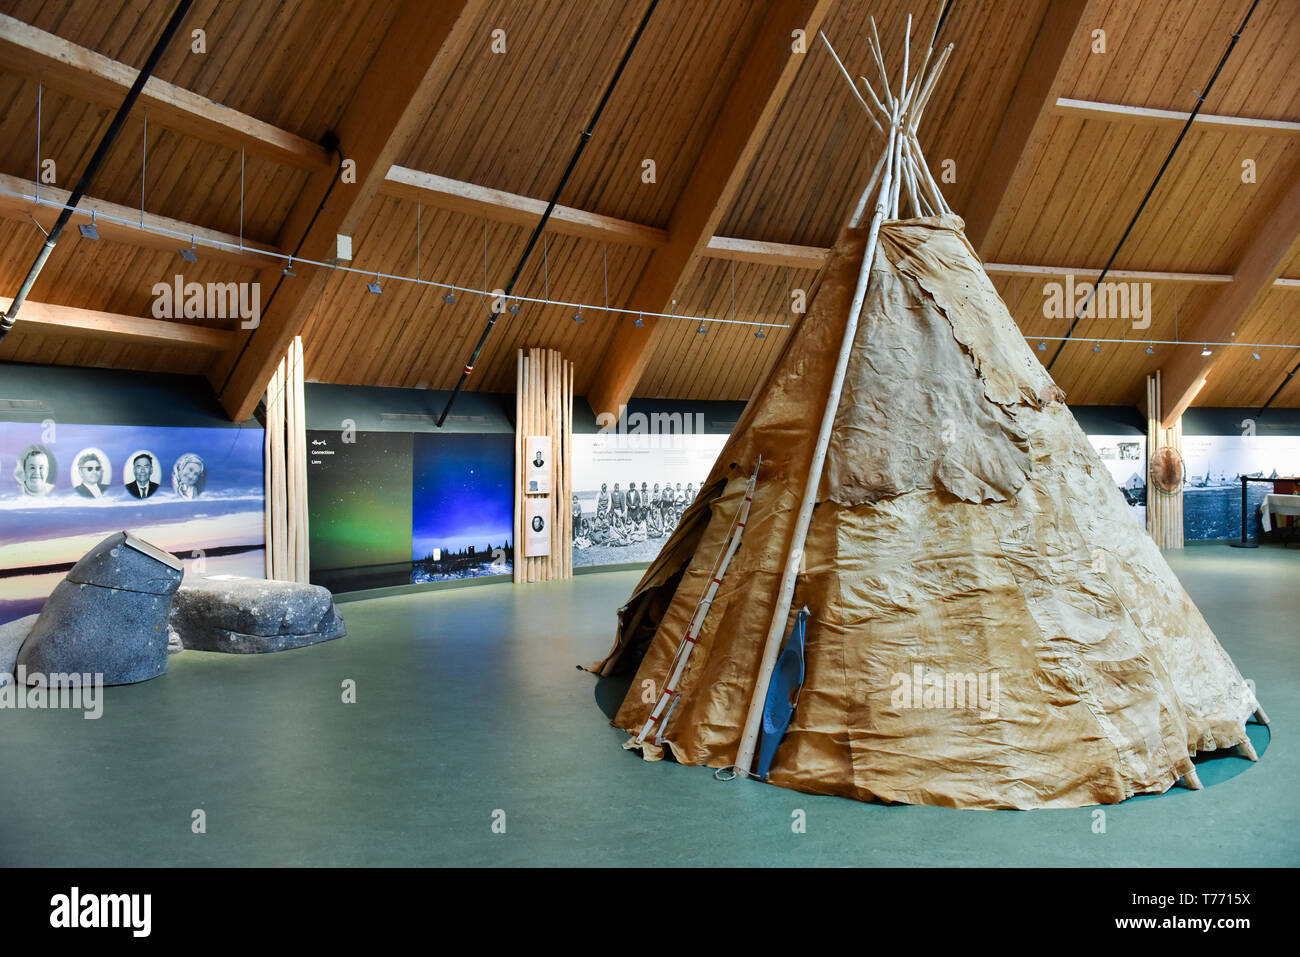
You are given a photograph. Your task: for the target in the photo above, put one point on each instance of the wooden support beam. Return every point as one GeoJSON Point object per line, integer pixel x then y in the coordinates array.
{"type": "Point", "coordinates": [68, 322]}
{"type": "Point", "coordinates": [18, 202]}
{"type": "Point", "coordinates": [1065, 25]}
{"type": "Point", "coordinates": [94, 78]}
{"type": "Point", "coordinates": [1172, 119]}
{"type": "Point", "coordinates": [390, 103]}
{"type": "Point", "coordinates": [1274, 244]}
{"type": "Point", "coordinates": [767, 254]}
{"type": "Point", "coordinates": [502, 207]}
{"type": "Point", "coordinates": [750, 108]}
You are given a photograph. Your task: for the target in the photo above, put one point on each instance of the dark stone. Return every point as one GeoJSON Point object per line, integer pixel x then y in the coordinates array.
{"type": "Point", "coordinates": [12, 635]}
{"type": "Point", "coordinates": [126, 562]}
{"type": "Point", "coordinates": [108, 616]}
{"type": "Point", "coordinates": [253, 616]}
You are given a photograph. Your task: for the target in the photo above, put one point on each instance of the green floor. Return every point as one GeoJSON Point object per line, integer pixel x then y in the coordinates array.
{"type": "Point", "coordinates": [468, 702]}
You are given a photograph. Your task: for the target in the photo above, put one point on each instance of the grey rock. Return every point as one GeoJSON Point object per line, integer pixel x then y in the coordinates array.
{"type": "Point", "coordinates": [12, 635]}
{"type": "Point", "coordinates": [126, 562]}
{"type": "Point", "coordinates": [108, 616]}
{"type": "Point", "coordinates": [253, 616]}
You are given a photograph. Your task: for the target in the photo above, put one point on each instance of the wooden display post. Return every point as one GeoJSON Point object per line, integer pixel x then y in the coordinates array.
{"type": "Point", "coordinates": [543, 410]}
{"type": "Point", "coordinates": [285, 523]}
{"type": "Point", "coordinates": [1164, 509]}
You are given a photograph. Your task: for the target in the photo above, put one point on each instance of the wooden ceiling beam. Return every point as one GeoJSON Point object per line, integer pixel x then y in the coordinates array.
{"type": "Point", "coordinates": [760, 86]}
{"type": "Point", "coordinates": [1274, 243]}
{"type": "Point", "coordinates": [1172, 119]}
{"type": "Point", "coordinates": [118, 224]}
{"type": "Point", "coordinates": [390, 104]}
{"type": "Point", "coordinates": [46, 319]}
{"type": "Point", "coordinates": [502, 207]}
{"type": "Point", "coordinates": [1065, 25]}
{"type": "Point", "coordinates": [90, 76]}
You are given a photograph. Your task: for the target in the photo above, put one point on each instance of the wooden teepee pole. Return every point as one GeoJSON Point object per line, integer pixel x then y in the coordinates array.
{"type": "Point", "coordinates": [799, 535]}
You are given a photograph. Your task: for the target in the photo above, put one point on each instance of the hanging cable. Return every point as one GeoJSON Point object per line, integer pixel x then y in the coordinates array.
{"type": "Point", "coordinates": [1200, 101]}
{"type": "Point", "coordinates": [550, 207]}
{"type": "Point", "coordinates": [96, 160]}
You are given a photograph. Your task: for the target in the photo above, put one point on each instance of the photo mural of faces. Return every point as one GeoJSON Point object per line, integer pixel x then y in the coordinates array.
{"type": "Point", "coordinates": [195, 492]}
{"type": "Point", "coordinates": [91, 476]}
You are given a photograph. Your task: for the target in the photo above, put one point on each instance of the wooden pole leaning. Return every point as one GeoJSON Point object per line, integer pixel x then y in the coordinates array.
{"type": "Point", "coordinates": [799, 534]}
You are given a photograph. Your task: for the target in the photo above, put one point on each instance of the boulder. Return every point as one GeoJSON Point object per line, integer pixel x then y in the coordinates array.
{"type": "Point", "coordinates": [12, 635]}
{"type": "Point", "coordinates": [252, 615]}
{"type": "Point", "coordinates": [108, 616]}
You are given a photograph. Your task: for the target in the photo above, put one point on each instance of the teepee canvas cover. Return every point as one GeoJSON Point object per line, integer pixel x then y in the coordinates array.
{"type": "Point", "coordinates": [989, 626]}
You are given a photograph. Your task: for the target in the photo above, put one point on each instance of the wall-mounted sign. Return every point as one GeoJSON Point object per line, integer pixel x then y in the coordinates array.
{"type": "Point", "coordinates": [537, 474]}
{"type": "Point", "coordinates": [537, 530]}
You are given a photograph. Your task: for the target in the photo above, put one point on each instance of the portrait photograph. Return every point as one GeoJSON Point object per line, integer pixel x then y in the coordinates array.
{"type": "Point", "coordinates": [91, 473]}
{"type": "Point", "coordinates": [141, 474]}
{"type": "Point", "coordinates": [35, 471]}
{"type": "Point", "coordinates": [189, 475]}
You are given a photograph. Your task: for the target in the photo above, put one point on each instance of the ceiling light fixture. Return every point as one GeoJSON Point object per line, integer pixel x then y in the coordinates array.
{"type": "Point", "coordinates": [189, 255]}
{"type": "Point", "coordinates": [1097, 347]}
{"type": "Point", "coordinates": [88, 230]}
{"type": "Point", "coordinates": [1206, 351]}
{"type": "Point", "coordinates": [373, 287]}
{"type": "Point", "coordinates": [450, 298]}
{"type": "Point", "coordinates": [288, 269]}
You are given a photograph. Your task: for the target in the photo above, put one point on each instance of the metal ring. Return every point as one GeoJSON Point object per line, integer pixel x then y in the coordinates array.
{"type": "Point", "coordinates": [718, 774]}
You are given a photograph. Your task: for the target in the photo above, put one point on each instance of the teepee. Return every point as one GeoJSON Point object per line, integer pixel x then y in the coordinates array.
{"type": "Point", "coordinates": [987, 625]}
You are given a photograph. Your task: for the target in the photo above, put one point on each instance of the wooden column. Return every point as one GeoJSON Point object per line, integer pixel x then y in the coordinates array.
{"type": "Point", "coordinates": [544, 406]}
{"type": "Point", "coordinates": [1164, 510]}
{"type": "Point", "coordinates": [285, 449]}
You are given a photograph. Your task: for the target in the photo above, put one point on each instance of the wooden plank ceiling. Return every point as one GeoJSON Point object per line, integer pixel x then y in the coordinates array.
{"type": "Point", "coordinates": [509, 121]}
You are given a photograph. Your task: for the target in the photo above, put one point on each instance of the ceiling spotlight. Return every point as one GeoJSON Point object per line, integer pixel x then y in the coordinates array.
{"type": "Point", "coordinates": [1150, 350]}
{"type": "Point", "coordinates": [1042, 346]}
{"type": "Point", "coordinates": [88, 230]}
{"type": "Point", "coordinates": [1206, 351]}
{"type": "Point", "coordinates": [577, 316]}
{"type": "Point", "coordinates": [1255, 355]}
{"type": "Point", "coordinates": [450, 298]}
{"type": "Point", "coordinates": [702, 330]}
{"type": "Point", "coordinates": [374, 286]}
{"type": "Point", "coordinates": [760, 334]}
{"type": "Point", "coordinates": [513, 307]}
{"type": "Point", "coordinates": [188, 254]}
{"type": "Point", "coordinates": [638, 321]}
{"type": "Point", "coordinates": [1097, 347]}
{"type": "Point", "coordinates": [288, 269]}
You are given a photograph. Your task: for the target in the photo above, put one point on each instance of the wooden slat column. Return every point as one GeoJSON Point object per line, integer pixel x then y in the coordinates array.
{"type": "Point", "coordinates": [544, 406]}
{"type": "Point", "coordinates": [286, 524]}
{"type": "Point", "coordinates": [1164, 510]}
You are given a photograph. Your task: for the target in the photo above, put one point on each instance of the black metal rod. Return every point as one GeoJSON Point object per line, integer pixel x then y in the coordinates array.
{"type": "Point", "coordinates": [494, 314]}
{"type": "Point", "coordinates": [1278, 391]}
{"type": "Point", "coordinates": [1243, 510]}
{"type": "Point", "coordinates": [97, 160]}
{"type": "Point", "coordinates": [1200, 101]}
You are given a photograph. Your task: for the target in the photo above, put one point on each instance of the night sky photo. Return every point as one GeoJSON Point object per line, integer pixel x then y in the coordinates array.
{"type": "Point", "coordinates": [461, 492]}
{"type": "Point", "coordinates": [359, 500]}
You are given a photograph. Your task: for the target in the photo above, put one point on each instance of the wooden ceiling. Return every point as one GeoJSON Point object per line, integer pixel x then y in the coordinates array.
{"type": "Point", "coordinates": [1045, 185]}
